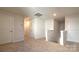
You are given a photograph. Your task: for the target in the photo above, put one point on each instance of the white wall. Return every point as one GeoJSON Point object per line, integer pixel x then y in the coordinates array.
{"type": "Point", "coordinates": [11, 27]}
{"type": "Point", "coordinates": [49, 24]}
{"type": "Point", "coordinates": [41, 26]}
{"type": "Point", "coordinates": [72, 28]}
{"type": "Point", "coordinates": [56, 30]}
{"type": "Point", "coordinates": [49, 29]}
{"type": "Point", "coordinates": [38, 27]}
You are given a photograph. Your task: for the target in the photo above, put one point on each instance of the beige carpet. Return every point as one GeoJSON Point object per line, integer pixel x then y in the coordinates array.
{"type": "Point", "coordinates": [33, 45]}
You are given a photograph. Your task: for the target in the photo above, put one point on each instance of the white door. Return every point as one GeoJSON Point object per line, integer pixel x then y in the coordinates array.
{"type": "Point", "coordinates": [11, 28]}
{"type": "Point", "coordinates": [18, 28]}
{"type": "Point", "coordinates": [4, 29]}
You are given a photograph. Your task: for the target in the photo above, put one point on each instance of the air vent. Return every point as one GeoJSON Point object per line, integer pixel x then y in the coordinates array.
{"type": "Point", "coordinates": [38, 14]}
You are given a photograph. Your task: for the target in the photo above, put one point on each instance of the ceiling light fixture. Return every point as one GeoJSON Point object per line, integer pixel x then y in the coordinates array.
{"type": "Point", "coordinates": [54, 14]}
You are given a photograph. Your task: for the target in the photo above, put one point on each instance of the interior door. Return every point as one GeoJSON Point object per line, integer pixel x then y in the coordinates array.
{"type": "Point", "coordinates": [11, 28]}
{"type": "Point", "coordinates": [4, 29]}
{"type": "Point", "coordinates": [18, 28]}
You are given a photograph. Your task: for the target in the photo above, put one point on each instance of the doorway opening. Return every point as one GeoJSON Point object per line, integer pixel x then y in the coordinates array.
{"type": "Point", "coordinates": [27, 28]}
{"type": "Point", "coordinates": [60, 29]}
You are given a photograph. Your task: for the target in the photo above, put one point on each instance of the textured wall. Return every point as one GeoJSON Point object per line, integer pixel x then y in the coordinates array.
{"type": "Point", "coordinates": [72, 28]}
{"type": "Point", "coordinates": [38, 27]}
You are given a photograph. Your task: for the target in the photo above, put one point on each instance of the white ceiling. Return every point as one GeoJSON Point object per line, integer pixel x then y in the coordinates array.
{"type": "Point", "coordinates": [46, 11]}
